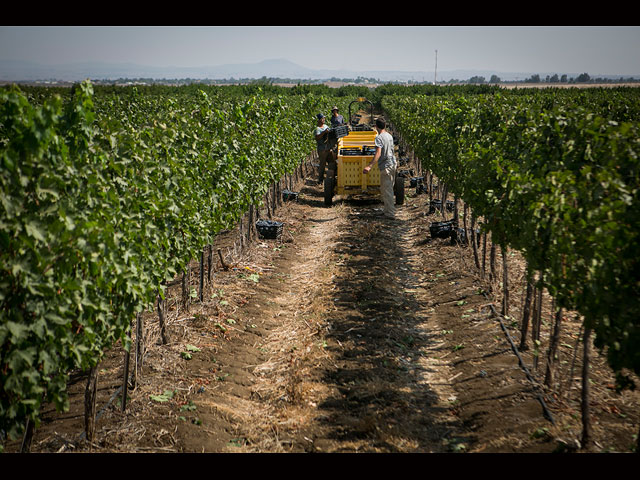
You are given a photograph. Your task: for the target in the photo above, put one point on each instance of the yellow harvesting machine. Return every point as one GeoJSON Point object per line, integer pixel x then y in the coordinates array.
{"type": "Point", "coordinates": [355, 151]}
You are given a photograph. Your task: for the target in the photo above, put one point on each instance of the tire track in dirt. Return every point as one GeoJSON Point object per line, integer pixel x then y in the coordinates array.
{"type": "Point", "coordinates": [389, 392]}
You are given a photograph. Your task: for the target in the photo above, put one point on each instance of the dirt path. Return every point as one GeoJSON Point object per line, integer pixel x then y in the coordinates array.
{"type": "Point", "coordinates": [351, 333]}
{"type": "Point", "coordinates": [348, 361]}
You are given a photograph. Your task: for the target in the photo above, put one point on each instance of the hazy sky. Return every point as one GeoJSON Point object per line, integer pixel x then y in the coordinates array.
{"type": "Point", "coordinates": [595, 50]}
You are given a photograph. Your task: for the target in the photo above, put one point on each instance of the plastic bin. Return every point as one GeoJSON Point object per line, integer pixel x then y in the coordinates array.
{"type": "Point", "coordinates": [269, 228]}
{"type": "Point", "coordinates": [339, 132]}
{"type": "Point", "coordinates": [288, 195]}
{"type": "Point", "coordinates": [441, 229]}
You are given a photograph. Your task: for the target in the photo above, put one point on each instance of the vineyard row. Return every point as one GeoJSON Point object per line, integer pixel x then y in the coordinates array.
{"type": "Point", "coordinates": [106, 198]}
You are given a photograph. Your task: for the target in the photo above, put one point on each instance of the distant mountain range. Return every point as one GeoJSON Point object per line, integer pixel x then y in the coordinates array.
{"type": "Point", "coordinates": [16, 71]}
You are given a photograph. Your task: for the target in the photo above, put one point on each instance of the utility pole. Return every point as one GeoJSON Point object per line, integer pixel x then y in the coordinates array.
{"type": "Point", "coordinates": [435, 72]}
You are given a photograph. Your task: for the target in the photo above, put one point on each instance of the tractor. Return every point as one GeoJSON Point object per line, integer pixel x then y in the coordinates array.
{"type": "Point", "coordinates": [355, 150]}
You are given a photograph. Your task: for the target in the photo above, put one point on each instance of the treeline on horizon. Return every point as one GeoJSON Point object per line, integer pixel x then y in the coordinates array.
{"type": "Point", "coordinates": [366, 82]}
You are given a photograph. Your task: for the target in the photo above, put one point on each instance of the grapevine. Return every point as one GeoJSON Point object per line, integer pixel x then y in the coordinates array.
{"type": "Point", "coordinates": [555, 176]}
{"type": "Point", "coordinates": [107, 197]}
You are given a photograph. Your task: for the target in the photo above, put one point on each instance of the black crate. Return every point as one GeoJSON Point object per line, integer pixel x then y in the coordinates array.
{"type": "Point", "coordinates": [269, 228]}
{"type": "Point", "coordinates": [436, 205]}
{"type": "Point", "coordinates": [460, 236]}
{"type": "Point", "coordinates": [415, 181]}
{"type": "Point", "coordinates": [368, 150]}
{"type": "Point", "coordinates": [346, 151]}
{"type": "Point", "coordinates": [441, 229]}
{"type": "Point", "coordinates": [288, 195]}
{"type": "Point", "coordinates": [339, 131]}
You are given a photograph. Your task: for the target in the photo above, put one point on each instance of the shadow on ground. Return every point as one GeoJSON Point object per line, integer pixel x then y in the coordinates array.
{"type": "Point", "coordinates": [376, 338]}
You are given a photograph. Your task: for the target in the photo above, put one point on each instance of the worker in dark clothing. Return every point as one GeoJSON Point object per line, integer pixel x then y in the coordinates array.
{"type": "Point", "coordinates": [336, 118]}
{"type": "Point", "coordinates": [324, 147]}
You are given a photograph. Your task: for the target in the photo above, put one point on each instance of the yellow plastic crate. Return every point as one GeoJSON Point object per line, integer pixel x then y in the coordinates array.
{"type": "Point", "coordinates": [350, 172]}
{"type": "Point", "coordinates": [358, 139]}
{"type": "Point", "coordinates": [351, 179]}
